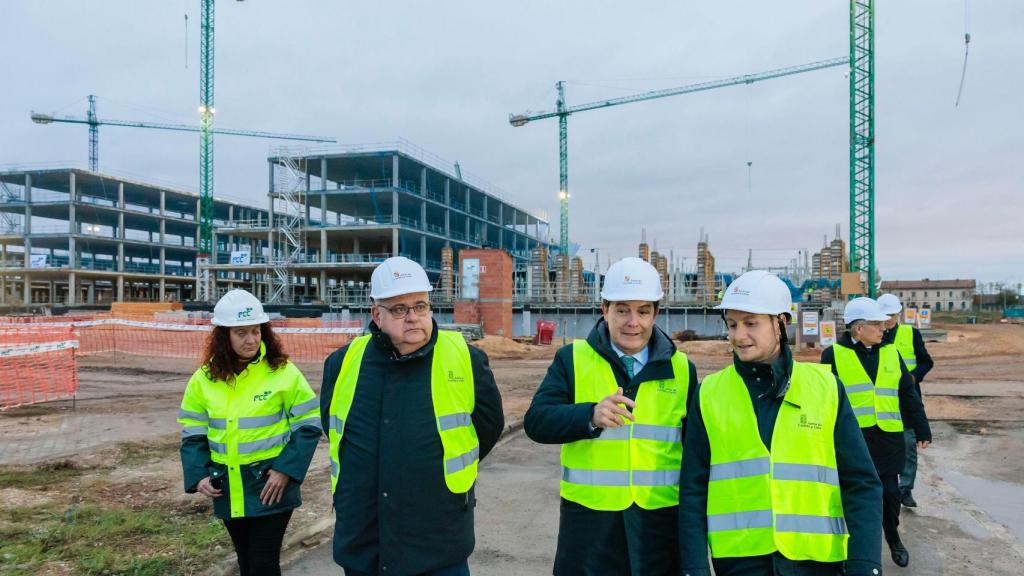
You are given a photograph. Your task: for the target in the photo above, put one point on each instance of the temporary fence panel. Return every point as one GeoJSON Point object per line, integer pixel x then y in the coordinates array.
{"type": "Point", "coordinates": [36, 365]}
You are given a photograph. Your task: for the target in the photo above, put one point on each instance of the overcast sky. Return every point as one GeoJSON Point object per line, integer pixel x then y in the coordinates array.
{"type": "Point", "coordinates": [445, 76]}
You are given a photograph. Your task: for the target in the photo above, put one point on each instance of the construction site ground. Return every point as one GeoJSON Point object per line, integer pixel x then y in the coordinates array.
{"type": "Point", "coordinates": [93, 486]}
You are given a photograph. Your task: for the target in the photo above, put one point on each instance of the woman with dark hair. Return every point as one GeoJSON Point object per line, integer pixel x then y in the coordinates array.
{"type": "Point", "coordinates": [250, 427]}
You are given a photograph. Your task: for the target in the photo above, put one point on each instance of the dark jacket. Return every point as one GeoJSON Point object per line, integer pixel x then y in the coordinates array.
{"type": "Point", "coordinates": [887, 448]}
{"type": "Point", "coordinates": [394, 512]}
{"type": "Point", "coordinates": [924, 359]}
{"type": "Point", "coordinates": [860, 488]}
{"type": "Point", "coordinates": [595, 542]}
{"type": "Point", "coordinates": [293, 460]}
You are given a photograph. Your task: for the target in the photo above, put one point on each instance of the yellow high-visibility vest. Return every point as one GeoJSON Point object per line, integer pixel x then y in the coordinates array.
{"type": "Point", "coordinates": [904, 342]}
{"type": "Point", "coordinates": [636, 463]}
{"type": "Point", "coordinates": [453, 395]}
{"type": "Point", "coordinates": [248, 420]}
{"type": "Point", "coordinates": [787, 499]}
{"type": "Point", "coordinates": [872, 402]}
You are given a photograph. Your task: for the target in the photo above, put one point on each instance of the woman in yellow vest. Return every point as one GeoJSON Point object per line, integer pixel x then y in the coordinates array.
{"type": "Point", "coordinates": [775, 478]}
{"type": "Point", "coordinates": [250, 427]}
{"type": "Point", "coordinates": [910, 344]}
{"type": "Point", "coordinates": [883, 397]}
{"type": "Point", "coordinates": [616, 402]}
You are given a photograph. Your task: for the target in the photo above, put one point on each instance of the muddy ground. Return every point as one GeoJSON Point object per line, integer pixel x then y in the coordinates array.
{"type": "Point", "coordinates": [120, 437]}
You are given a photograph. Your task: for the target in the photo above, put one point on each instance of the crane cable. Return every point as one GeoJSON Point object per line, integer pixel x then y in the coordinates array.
{"type": "Point", "coordinates": [967, 44]}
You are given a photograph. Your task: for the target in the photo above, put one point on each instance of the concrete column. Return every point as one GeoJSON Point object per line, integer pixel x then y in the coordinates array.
{"type": "Point", "coordinates": [72, 198]}
{"type": "Point", "coordinates": [91, 293]}
{"type": "Point", "coordinates": [270, 215]}
{"type": "Point", "coordinates": [423, 181]}
{"type": "Point", "coordinates": [355, 245]}
{"type": "Point", "coordinates": [163, 289]}
{"type": "Point", "coordinates": [163, 203]}
{"type": "Point", "coordinates": [323, 172]}
{"type": "Point", "coordinates": [323, 245]}
{"type": "Point", "coordinates": [423, 251]}
{"type": "Point", "coordinates": [72, 289]}
{"type": "Point", "coordinates": [394, 205]}
{"type": "Point", "coordinates": [322, 286]}
{"type": "Point", "coordinates": [447, 209]}
{"type": "Point", "coordinates": [120, 287]}
{"type": "Point", "coordinates": [52, 298]}
{"type": "Point", "coordinates": [501, 224]}
{"type": "Point", "coordinates": [26, 288]}
{"type": "Point", "coordinates": [395, 180]}
{"type": "Point", "coordinates": [120, 257]}
{"type": "Point", "coordinates": [394, 242]}
{"type": "Point", "coordinates": [423, 214]}
{"type": "Point", "coordinates": [323, 210]}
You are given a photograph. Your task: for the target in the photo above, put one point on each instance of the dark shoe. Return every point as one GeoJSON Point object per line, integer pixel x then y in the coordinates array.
{"type": "Point", "coordinates": [899, 554]}
{"type": "Point", "coordinates": [907, 499]}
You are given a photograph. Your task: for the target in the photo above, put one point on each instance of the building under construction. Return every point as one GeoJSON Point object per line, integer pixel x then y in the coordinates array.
{"type": "Point", "coordinates": [76, 237]}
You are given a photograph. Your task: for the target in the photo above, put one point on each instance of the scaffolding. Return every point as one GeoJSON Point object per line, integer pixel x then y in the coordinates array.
{"type": "Point", "coordinates": [289, 247]}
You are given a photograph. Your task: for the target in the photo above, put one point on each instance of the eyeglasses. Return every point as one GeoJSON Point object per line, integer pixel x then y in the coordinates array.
{"type": "Point", "coordinates": [399, 311]}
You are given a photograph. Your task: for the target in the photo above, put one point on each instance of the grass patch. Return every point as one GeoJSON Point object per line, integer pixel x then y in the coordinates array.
{"type": "Point", "coordinates": [53, 474]}
{"type": "Point", "coordinates": [134, 453]}
{"type": "Point", "coordinates": [113, 540]}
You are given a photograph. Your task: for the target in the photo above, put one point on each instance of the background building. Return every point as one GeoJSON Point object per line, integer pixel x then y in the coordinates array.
{"type": "Point", "coordinates": [939, 295]}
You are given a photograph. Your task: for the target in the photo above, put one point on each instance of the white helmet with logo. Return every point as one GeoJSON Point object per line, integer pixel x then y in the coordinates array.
{"type": "Point", "coordinates": [863, 308]}
{"type": "Point", "coordinates": [632, 279]}
{"type": "Point", "coordinates": [758, 292]}
{"type": "Point", "coordinates": [890, 303]}
{"type": "Point", "coordinates": [239, 308]}
{"type": "Point", "coordinates": [397, 276]}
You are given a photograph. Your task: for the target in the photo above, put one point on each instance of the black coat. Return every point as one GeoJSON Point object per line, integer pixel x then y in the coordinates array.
{"type": "Point", "coordinates": [887, 448]}
{"type": "Point", "coordinates": [860, 488]}
{"type": "Point", "coordinates": [592, 542]}
{"type": "Point", "coordinates": [394, 513]}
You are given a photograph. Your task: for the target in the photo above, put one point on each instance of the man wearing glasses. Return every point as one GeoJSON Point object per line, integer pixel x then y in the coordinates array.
{"type": "Point", "coordinates": [410, 411]}
{"type": "Point", "coordinates": [882, 393]}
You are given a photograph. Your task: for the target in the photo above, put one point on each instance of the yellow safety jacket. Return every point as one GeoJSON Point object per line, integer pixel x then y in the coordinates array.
{"type": "Point", "coordinates": [248, 420]}
{"type": "Point", "coordinates": [872, 402]}
{"type": "Point", "coordinates": [786, 499]}
{"type": "Point", "coordinates": [453, 395]}
{"type": "Point", "coordinates": [636, 463]}
{"type": "Point", "coordinates": [904, 342]}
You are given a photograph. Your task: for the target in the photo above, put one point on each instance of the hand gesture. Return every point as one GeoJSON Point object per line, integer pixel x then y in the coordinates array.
{"type": "Point", "coordinates": [609, 413]}
{"type": "Point", "coordinates": [205, 487]}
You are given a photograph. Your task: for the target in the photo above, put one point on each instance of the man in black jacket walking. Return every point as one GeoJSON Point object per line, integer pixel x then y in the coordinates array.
{"type": "Point", "coordinates": [403, 503]}
{"type": "Point", "coordinates": [616, 402]}
{"type": "Point", "coordinates": [910, 343]}
{"type": "Point", "coordinates": [858, 355]}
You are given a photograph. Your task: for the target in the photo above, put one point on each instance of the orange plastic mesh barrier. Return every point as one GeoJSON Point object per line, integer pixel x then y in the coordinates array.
{"type": "Point", "coordinates": [37, 364]}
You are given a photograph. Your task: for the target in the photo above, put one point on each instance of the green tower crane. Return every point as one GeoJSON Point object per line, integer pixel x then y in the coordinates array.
{"type": "Point", "coordinates": [94, 122]}
{"type": "Point", "coordinates": [206, 111]}
{"type": "Point", "coordinates": [862, 140]}
{"type": "Point", "coordinates": [562, 112]}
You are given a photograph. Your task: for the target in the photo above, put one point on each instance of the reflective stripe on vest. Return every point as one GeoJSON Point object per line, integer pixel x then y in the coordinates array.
{"type": "Point", "coordinates": [875, 402]}
{"type": "Point", "coordinates": [249, 420]}
{"type": "Point", "coordinates": [453, 397]}
{"type": "Point", "coordinates": [904, 342]}
{"type": "Point", "coordinates": [787, 500]}
{"type": "Point", "coordinates": [636, 463]}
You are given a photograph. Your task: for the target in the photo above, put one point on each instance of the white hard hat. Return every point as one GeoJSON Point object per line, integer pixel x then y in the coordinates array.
{"type": "Point", "coordinates": [757, 292]}
{"type": "Point", "coordinates": [632, 279]}
{"type": "Point", "coordinates": [239, 308]}
{"type": "Point", "coordinates": [890, 303]}
{"type": "Point", "coordinates": [863, 308]}
{"type": "Point", "coordinates": [397, 276]}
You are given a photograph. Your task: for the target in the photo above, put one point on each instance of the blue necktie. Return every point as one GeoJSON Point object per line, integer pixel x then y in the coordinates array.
{"type": "Point", "coordinates": [629, 361]}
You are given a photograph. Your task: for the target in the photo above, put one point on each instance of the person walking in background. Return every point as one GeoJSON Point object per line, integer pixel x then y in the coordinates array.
{"type": "Point", "coordinates": [776, 476]}
{"type": "Point", "coordinates": [250, 428]}
{"type": "Point", "coordinates": [883, 397]}
{"type": "Point", "coordinates": [617, 402]}
{"type": "Point", "coordinates": [410, 411]}
{"type": "Point", "coordinates": [910, 344]}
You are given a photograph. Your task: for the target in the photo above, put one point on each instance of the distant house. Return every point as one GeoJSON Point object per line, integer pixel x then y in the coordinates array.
{"type": "Point", "coordinates": [939, 295]}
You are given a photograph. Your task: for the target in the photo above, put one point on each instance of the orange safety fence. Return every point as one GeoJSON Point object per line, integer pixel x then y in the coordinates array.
{"type": "Point", "coordinates": [37, 364]}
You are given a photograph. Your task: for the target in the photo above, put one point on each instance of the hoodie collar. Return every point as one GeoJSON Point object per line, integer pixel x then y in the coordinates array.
{"type": "Point", "coordinates": [774, 375]}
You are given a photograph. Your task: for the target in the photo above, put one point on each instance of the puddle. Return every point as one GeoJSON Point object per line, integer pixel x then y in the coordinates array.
{"type": "Point", "coordinates": [1002, 501]}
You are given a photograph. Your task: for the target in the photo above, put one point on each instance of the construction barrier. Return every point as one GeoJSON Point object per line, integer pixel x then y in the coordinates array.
{"type": "Point", "coordinates": [37, 364]}
{"type": "Point", "coordinates": [38, 354]}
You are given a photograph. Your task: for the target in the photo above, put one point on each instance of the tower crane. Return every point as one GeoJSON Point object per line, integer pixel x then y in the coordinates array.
{"type": "Point", "coordinates": [94, 123]}
{"type": "Point", "coordinates": [562, 112]}
{"type": "Point", "coordinates": [862, 141]}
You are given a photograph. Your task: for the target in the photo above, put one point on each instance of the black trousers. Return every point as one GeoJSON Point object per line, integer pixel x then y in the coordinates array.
{"type": "Point", "coordinates": [634, 542]}
{"type": "Point", "coordinates": [891, 507]}
{"type": "Point", "coordinates": [257, 542]}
